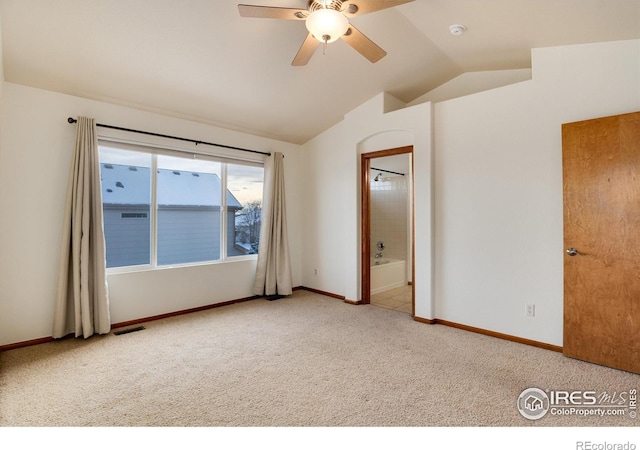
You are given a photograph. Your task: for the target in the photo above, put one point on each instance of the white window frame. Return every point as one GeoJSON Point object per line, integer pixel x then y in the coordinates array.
{"type": "Point", "coordinates": [155, 150]}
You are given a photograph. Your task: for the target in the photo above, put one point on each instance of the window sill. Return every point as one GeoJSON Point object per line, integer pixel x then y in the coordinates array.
{"type": "Point", "coordinates": [150, 268]}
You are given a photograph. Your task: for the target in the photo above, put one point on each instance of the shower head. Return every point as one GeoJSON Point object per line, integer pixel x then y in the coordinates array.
{"type": "Point", "coordinates": [377, 178]}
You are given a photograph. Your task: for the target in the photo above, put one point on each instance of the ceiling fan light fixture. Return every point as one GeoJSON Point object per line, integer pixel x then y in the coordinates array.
{"type": "Point", "coordinates": [327, 25]}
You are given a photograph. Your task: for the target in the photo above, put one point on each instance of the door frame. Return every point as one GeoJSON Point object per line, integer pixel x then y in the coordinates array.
{"type": "Point", "coordinates": [365, 220]}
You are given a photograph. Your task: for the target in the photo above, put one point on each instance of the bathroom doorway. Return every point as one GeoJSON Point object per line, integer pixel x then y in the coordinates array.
{"type": "Point", "coordinates": [387, 248]}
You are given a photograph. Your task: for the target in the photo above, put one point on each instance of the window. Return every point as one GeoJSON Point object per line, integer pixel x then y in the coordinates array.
{"type": "Point", "coordinates": [164, 209]}
{"type": "Point", "coordinates": [126, 193]}
{"type": "Point", "coordinates": [245, 184]}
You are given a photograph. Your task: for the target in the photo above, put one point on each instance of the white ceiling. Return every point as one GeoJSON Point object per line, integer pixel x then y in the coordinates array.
{"type": "Point", "coordinates": [198, 59]}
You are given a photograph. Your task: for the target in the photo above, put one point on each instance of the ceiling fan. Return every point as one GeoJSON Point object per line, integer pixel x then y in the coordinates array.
{"type": "Point", "coordinates": [327, 21]}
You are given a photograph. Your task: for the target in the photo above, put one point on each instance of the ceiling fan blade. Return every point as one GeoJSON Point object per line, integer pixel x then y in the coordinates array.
{"type": "Point", "coordinates": [363, 45]}
{"type": "Point", "coordinates": [305, 53]}
{"type": "Point", "coordinates": [272, 12]}
{"type": "Point", "coordinates": [353, 8]}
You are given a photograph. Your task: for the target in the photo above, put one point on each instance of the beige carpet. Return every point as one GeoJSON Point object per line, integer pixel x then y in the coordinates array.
{"type": "Point", "coordinates": [302, 361]}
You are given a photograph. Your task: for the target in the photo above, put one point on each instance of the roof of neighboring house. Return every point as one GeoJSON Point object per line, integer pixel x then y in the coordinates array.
{"type": "Point", "coordinates": [128, 185]}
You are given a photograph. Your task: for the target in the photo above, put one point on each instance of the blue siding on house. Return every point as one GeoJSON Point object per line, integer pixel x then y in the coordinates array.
{"type": "Point", "coordinates": [128, 239]}
{"type": "Point", "coordinates": [188, 228]}
{"type": "Point", "coordinates": [188, 235]}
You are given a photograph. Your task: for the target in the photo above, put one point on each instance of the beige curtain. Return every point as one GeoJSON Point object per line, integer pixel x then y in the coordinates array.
{"type": "Point", "coordinates": [82, 300]}
{"type": "Point", "coordinates": [273, 274]}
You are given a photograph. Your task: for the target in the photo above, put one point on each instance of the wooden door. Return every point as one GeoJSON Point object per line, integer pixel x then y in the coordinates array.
{"type": "Point", "coordinates": [601, 181]}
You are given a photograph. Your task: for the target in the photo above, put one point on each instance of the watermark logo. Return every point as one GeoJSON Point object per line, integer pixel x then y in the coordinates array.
{"type": "Point", "coordinates": [588, 445]}
{"type": "Point", "coordinates": [534, 403]}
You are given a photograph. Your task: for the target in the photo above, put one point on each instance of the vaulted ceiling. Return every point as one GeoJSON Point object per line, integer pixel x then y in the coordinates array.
{"type": "Point", "coordinates": [199, 60]}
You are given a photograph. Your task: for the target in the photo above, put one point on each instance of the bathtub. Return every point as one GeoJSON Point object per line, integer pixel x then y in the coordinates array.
{"type": "Point", "coordinates": [387, 274]}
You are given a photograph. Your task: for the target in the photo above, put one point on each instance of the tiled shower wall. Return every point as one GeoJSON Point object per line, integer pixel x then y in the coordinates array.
{"type": "Point", "coordinates": [389, 216]}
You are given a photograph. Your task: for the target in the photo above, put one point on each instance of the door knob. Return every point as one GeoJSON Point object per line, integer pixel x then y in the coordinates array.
{"type": "Point", "coordinates": [572, 251]}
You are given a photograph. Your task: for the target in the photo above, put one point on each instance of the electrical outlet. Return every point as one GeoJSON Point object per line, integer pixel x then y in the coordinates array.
{"type": "Point", "coordinates": [315, 272]}
{"type": "Point", "coordinates": [531, 310]}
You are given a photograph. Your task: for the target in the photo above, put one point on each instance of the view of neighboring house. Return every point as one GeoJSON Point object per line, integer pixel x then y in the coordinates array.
{"type": "Point", "coordinates": [188, 217]}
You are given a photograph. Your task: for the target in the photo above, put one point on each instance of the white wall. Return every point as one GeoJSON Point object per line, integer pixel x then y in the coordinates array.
{"type": "Point", "coordinates": [1, 76]}
{"type": "Point", "coordinates": [498, 197]}
{"type": "Point", "coordinates": [37, 143]}
{"type": "Point", "coordinates": [332, 192]}
{"type": "Point", "coordinates": [473, 82]}
{"type": "Point", "coordinates": [497, 192]}
{"type": "Point", "coordinates": [498, 186]}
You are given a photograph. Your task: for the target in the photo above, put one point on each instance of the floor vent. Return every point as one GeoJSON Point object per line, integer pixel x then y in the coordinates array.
{"type": "Point", "coordinates": [129, 330]}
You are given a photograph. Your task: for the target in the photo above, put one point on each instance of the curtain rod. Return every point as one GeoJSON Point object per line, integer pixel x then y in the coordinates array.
{"type": "Point", "coordinates": [388, 171]}
{"type": "Point", "coordinates": [72, 120]}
